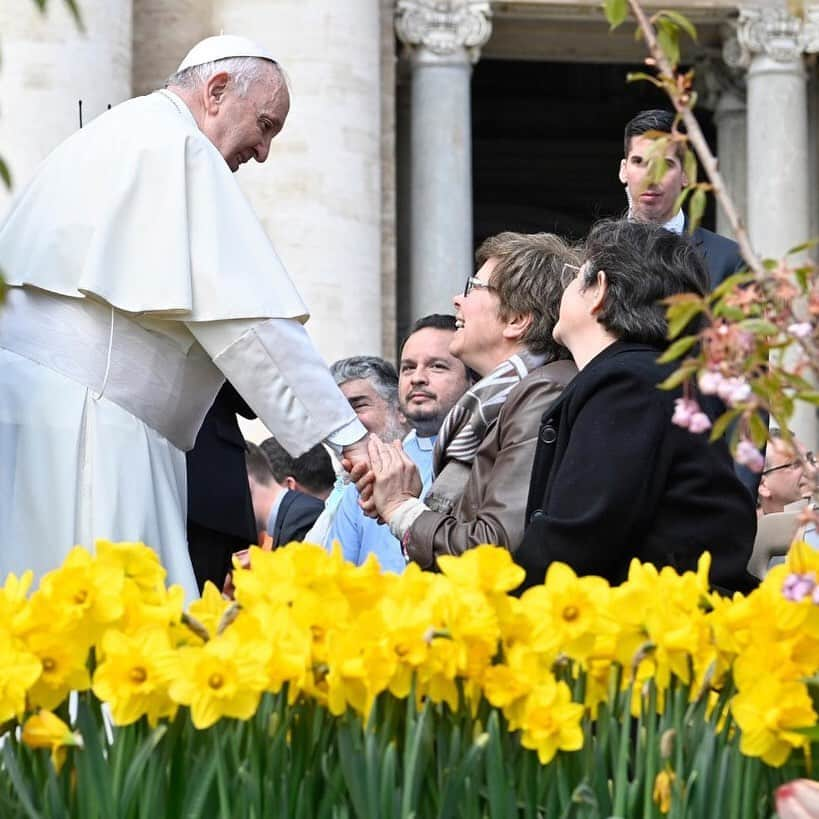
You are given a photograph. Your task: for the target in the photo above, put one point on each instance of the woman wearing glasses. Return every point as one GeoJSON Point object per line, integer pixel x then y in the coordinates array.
{"type": "Point", "coordinates": [483, 455]}
{"type": "Point", "coordinates": [613, 477]}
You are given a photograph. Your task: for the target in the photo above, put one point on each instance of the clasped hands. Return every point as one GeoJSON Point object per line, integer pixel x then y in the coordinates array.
{"type": "Point", "coordinates": [385, 479]}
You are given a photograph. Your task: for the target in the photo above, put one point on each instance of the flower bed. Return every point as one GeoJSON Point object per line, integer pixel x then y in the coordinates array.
{"type": "Point", "coordinates": [330, 690]}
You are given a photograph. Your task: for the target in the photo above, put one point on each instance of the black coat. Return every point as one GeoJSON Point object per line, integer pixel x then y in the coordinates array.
{"type": "Point", "coordinates": [614, 479]}
{"type": "Point", "coordinates": [721, 255]}
{"type": "Point", "coordinates": [297, 513]}
{"type": "Point", "coordinates": [218, 488]}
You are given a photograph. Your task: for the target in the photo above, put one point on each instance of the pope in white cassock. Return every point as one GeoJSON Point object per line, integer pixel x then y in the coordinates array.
{"type": "Point", "coordinates": [140, 279]}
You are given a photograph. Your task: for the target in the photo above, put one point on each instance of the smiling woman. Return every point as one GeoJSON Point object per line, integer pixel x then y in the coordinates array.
{"type": "Point", "coordinates": [504, 322]}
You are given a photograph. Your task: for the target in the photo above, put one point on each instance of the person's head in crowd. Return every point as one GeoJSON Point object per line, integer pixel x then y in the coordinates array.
{"type": "Point", "coordinates": [511, 304]}
{"type": "Point", "coordinates": [430, 378]}
{"type": "Point", "coordinates": [240, 103]}
{"type": "Point", "coordinates": [628, 269]}
{"type": "Point", "coordinates": [264, 488]}
{"type": "Point", "coordinates": [785, 478]}
{"type": "Point", "coordinates": [311, 473]}
{"type": "Point", "coordinates": [651, 202]}
{"type": "Point", "coordinates": [370, 384]}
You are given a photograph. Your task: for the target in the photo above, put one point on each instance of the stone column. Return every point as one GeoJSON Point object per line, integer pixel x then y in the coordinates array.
{"type": "Point", "coordinates": [444, 37]}
{"type": "Point", "coordinates": [772, 43]}
{"type": "Point", "coordinates": [319, 193]}
{"type": "Point", "coordinates": [48, 65]}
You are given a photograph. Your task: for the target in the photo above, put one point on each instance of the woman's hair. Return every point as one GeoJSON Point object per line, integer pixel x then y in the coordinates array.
{"type": "Point", "coordinates": [644, 264]}
{"type": "Point", "coordinates": [528, 280]}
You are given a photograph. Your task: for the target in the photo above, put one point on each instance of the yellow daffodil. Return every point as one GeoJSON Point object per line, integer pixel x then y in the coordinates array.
{"type": "Point", "coordinates": [551, 721]}
{"type": "Point", "coordinates": [82, 598]}
{"type": "Point", "coordinates": [222, 678]}
{"type": "Point", "coordinates": [134, 675]}
{"type": "Point", "coordinates": [46, 730]}
{"type": "Point", "coordinates": [662, 790]}
{"type": "Point", "coordinates": [64, 668]}
{"type": "Point", "coordinates": [139, 564]}
{"type": "Point", "coordinates": [19, 670]}
{"type": "Point", "coordinates": [210, 608]}
{"type": "Point", "coordinates": [489, 569]}
{"type": "Point", "coordinates": [767, 712]}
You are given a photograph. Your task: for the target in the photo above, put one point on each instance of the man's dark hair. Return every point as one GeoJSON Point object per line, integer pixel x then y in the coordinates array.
{"type": "Point", "coordinates": [378, 371]}
{"type": "Point", "coordinates": [644, 263]}
{"type": "Point", "coordinates": [654, 119]}
{"type": "Point", "coordinates": [436, 321]}
{"type": "Point", "coordinates": [258, 466]}
{"type": "Point", "coordinates": [313, 469]}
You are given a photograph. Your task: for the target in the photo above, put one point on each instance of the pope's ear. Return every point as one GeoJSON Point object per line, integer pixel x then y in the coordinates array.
{"type": "Point", "coordinates": [215, 91]}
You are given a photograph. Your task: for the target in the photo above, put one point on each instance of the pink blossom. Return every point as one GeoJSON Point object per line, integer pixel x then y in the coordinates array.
{"type": "Point", "coordinates": [748, 455]}
{"type": "Point", "coordinates": [684, 408]}
{"type": "Point", "coordinates": [798, 799]}
{"type": "Point", "coordinates": [734, 390]}
{"type": "Point", "coordinates": [798, 586]}
{"type": "Point", "coordinates": [801, 329]}
{"type": "Point", "coordinates": [699, 422]}
{"type": "Point", "coordinates": [709, 382]}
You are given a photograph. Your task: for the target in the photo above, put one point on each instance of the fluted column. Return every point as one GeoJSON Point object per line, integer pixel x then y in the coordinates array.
{"type": "Point", "coordinates": [48, 65]}
{"type": "Point", "coordinates": [319, 193]}
{"type": "Point", "coordinates": [771, 43]}
{"type": "Point", "coordinates": [444, 38]}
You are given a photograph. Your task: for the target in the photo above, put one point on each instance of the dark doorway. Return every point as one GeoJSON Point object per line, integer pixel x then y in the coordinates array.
{"type": "Point", "coordinates": [547, 139]}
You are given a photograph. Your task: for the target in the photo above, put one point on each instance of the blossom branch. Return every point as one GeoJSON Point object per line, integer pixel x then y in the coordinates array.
{"type": "Point", "coordinates": [682, 103]}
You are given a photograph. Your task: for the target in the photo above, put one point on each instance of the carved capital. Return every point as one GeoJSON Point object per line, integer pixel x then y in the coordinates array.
{"type": "Point", "coordinates": [444, 26]}
{"type": "Point", "coordinates": [774, 32]}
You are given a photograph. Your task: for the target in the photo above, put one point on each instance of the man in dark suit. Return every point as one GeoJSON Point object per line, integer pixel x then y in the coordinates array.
{"type": "Point", "coordinates": [220, 514]}
{"type": "Point", "coordinates": [284, 514]}
{"type": "Point", "coordinates": [656, 202]}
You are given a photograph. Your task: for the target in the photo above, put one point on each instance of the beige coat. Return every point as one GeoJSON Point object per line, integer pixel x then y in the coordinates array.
{"type": "Point", "coordinates": [493, 505]}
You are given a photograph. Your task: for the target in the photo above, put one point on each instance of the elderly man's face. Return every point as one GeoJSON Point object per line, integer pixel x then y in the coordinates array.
{"type": "Point", "coordinates": [243, 127]}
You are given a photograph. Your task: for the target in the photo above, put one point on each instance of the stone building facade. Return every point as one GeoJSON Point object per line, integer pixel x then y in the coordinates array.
{"type": "Point", "coordinates": [417, 126]}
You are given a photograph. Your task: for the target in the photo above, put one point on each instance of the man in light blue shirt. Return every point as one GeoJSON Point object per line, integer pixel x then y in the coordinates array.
{"type": "Point", "coordinates": [430, 381]}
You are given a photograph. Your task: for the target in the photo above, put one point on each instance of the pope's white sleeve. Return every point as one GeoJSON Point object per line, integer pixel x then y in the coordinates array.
{"type": "Point", "coordinates": [277, 370]}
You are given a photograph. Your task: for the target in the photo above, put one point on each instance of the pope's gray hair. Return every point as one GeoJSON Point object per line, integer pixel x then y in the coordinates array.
{"type": "Point", "coordinates": [243, 71]}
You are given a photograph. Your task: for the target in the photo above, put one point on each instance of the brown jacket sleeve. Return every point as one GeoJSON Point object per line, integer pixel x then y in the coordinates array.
{"type": "Point", "coordinates": [493, 506]}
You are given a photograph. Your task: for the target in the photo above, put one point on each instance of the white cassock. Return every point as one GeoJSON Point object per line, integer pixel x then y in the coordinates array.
{"type": "Point", "coordinates": [140, 278]}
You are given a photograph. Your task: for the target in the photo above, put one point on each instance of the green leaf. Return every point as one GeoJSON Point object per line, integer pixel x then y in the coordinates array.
{"type": "Point", "coordinates": [669, 41]}
{"type": "Point", "coordinates": [758, 327]}
{"type": "Point", "coordinates": [723, 422]}
{"type": "Point", "coordinates": [681, 21]}
{"type": "Point", "coordinates": [679, 316]}
{"type": "Point", "coordinates": [690, 166]}
{"type": "Point", "coordinates": [5, 174]}
{"type": "Point", "coordinates": [696, 209]}
{"type": "Point", "coordinates": [680, 200]}
{"type": "Point", "coordinates": [636, 76]}
{"type": "Point", "coordinates": [811, 397]}
{"type": "Point", "coordinates": [731, 283]}
{"type": "Point", "coordinates": [615, 11]}
{"type": "Point", "coordinates": [759, 430]}
{"type": "Point", "coordinates": [677, 377]}
{"type": "Point", "coordinates": [804, 246]}
{"type": "Point", "coordinates": [678, 348]}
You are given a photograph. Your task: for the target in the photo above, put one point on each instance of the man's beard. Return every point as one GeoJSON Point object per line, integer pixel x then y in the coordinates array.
{"type": "Point", "coordinates": [426, 423]}
{"type": "Point", "coordinates": [394, 430]}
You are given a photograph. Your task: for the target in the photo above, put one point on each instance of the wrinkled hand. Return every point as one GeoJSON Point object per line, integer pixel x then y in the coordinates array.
{"type": "Point", "coordinates": [355, 455]}
{"type": "Point", "coordinates": [396, 478]}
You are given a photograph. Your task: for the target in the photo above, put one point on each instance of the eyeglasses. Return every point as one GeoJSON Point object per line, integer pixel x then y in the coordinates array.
{"type": "Point", "coordinates": [810, 458]}
{"type": "Point", "coordinates": [472, 282]}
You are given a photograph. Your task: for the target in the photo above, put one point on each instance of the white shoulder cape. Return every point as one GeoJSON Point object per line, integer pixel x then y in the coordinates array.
{"type": "Point", "coordinates": [140, 210]}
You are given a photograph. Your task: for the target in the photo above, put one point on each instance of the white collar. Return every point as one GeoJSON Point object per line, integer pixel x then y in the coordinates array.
{"type": "Point", "coordinates": [676, 224]}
